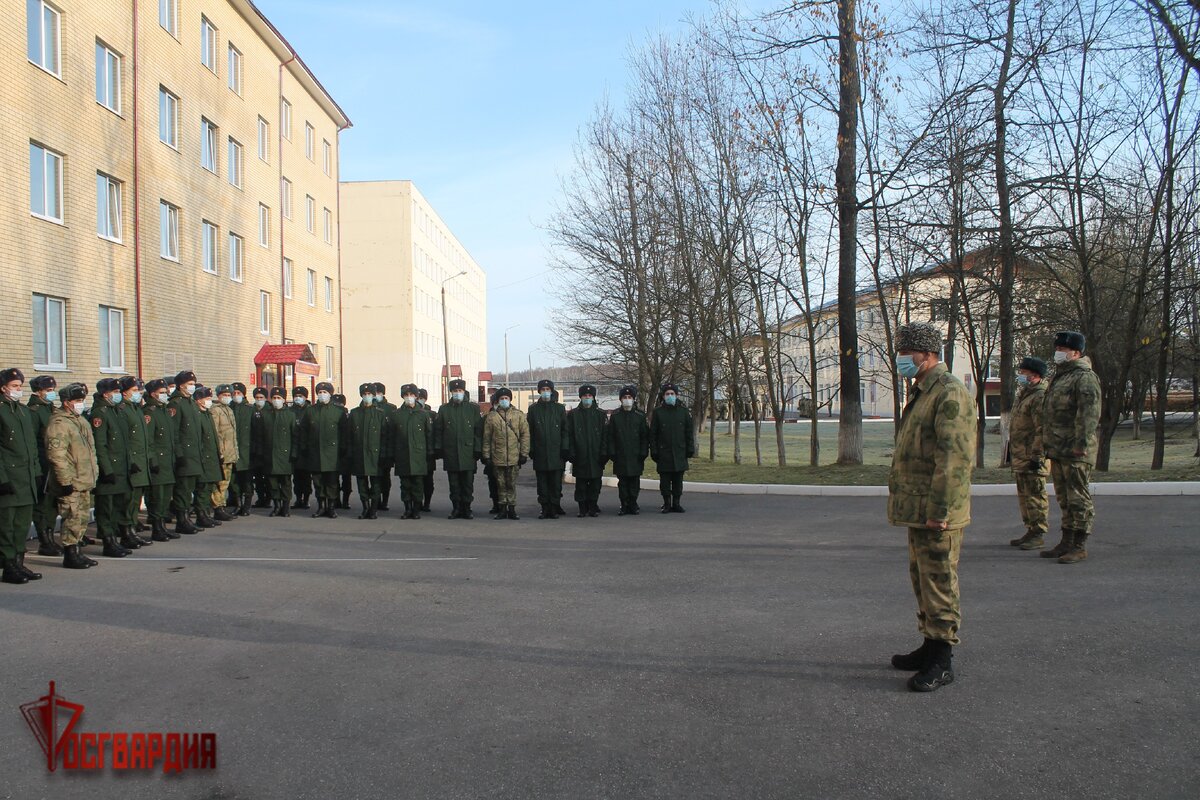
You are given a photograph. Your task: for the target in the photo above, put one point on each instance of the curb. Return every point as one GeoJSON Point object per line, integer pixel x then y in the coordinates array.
{"type": "Point", "coordinates": [1101, 489]}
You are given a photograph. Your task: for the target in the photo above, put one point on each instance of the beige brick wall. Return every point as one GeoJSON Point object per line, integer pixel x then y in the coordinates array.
{"type": "Point", "coordinates": [190, 318]}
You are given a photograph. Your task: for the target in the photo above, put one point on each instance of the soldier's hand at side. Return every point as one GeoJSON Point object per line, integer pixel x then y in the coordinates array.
{"type": "Point", "coordinates": [478, 456]}
{"type": "Point", "coordinates": [936, 524]}
{"type": "Point", "coordinates": [66, 491]}
{"type": "Point", "coordinates": [521, 461]}
{"type": "Point", "coordinates": [7, 488]}
{"type": "Point", "coordinates": [154, 469]}
{"type": "Point", "coordinates": [1036, 465]}
{"type": "Point", "coordinates": [134, 469]}
{"type": "Point", "coordinates": [108, 479]}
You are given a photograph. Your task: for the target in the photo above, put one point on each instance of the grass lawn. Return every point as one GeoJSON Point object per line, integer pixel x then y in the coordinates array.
{"type": "Point", "coordinates": [1130, 459]}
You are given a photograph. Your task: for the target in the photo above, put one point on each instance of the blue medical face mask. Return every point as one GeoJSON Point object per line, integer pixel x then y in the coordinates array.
{"type": "Point", "coordinates": [505, 402]}
{"type": "Point", "coordinates": [136, 397]}
{"type": "Point", "coordinates": [115, 398]}
{"type": "Point", "coordinates": [907, 367]}
{"type": "Point", "coordinates": [299, 400]}
{"type": "Point", "coordinates": [670, 399]}
{"type": "Point", "coordinates": [546, 395]}
{"type": "Point", "coordinates": [1023, 380]}
{"type": "Point", "coordinates": [51, 396]}
{"type": "Point", "coordinates": [586, 402]}
{"type": "Point", "coordinates": [456, 396]}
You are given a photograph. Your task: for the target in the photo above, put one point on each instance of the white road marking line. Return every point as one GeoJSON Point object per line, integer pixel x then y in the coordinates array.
{"type": "Point", "coordinates": [148, 559]}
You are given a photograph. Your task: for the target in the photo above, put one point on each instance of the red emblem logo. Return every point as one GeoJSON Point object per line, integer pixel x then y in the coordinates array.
{"type": "Point", "coordinates": [171, 411]}
{"type": "Point", "coordinates": [97, 422]}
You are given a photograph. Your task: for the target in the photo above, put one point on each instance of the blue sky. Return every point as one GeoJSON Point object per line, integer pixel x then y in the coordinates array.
{"type": "Point", "coordinates": [478, 103]}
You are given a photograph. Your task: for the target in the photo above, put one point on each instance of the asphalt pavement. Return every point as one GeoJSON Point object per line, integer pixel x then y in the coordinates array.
{"type": "Point", "coordinates": [739, 650]}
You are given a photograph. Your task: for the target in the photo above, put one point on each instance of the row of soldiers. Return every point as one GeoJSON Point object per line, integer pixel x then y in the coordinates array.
{"type": "Point", "coordinates": [195, 456]}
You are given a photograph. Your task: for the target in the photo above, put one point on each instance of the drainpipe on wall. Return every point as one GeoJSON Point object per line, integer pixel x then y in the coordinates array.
{"type": "Point", "coordinates": [137, 207]}
{"type": "Point", "coordinates": [282, 261]}
{"type": "Point", "coordinates": [337, 176]}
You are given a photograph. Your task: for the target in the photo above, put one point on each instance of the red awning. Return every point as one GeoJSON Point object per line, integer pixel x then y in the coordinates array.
{"type": "Point", "coordinates": [485, 377]}
{"type": "Point", "coordinates": [284, 354]}
{"type": "Point", "coordinates": [455, 370]}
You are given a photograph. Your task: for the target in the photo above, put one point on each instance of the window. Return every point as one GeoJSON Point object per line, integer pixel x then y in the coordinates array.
{"type": "Point", "coordinates": [309, 140]}
{"type": "Point", "coordinates": [329, 362]}
{"type": "Point", "coordinates": [108, 78]}
{"type": "Point", "coordinates": [209, 247]}
{"type": "Point", "coordinates": [329, 294]}
{"type": "Point", "coordinates": [264, 225]}
{"type": "Point", "coordinates": [45, 183]}
{"type": "Point", "coordinates": [264, 139]}
{"type": "Point", "coordinates": [285, 118]}
{"type": "Point", "coordinates": [235, 257]}
{"type": "Point", "coordinates": [235, 163]}
{"type": "Point", "coordinates": [168, 118]}
{"type": "Point", "coordinates": [208, 44]}
{"type": "Point", "coordinates": [264, 312]}
{"type": "Point", "coordinates": [328, 226]}
{"type": "Point", "coordinates": [112, 339]}
{"type": "Point", "coordinates": [287, 278]}
{"type": "Point", "coordinates": [939, 310]}
{"type": "Point", "coordinates": [285, 197]}
{"type": "Point", "coordinates": [168, 16]}
{"type": "Point", "coordinates": [43, 36]}
{"type": "Point", "coordinates": [108, 207]}
{"type": "Point", "coordinates": [235, 70]}
{"type": "Point", "coordinates": [49, 332]}
{"type": "Point", "coordinates": [312, 288]}
{"type": "Point", "coordinates": [208, 145]}
{"type": "Point", "coordinates": [168, 229]}
{"type": "Point", "coordinates": [327, 156]}
{"type": "Point", "coordinates": [993, 370]}
{"type": "Point", "coordinates": [310, 213]}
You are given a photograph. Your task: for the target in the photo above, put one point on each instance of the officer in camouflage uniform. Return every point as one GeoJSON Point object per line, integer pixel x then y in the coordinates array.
{"type": "Point", "coordinates": [1071, 413]}
{"type": "Point", "coordinates": [225, 426]}
{"type": "Point", "coordinates": [929, 492]}
{"type": "Point", "coordinates": [45, 511]}
{"type": "Point", "coordinates": [71, 451]}
{"type": "Point", "coordinates": [1026, 454]}
{"type": "Point", "coordinates": [585, 438]}
{"type": "Point", "coordinates": [458, 442]}
{"type": "Point", "coordinates": [626, 445]}
{"type": "Point", "coordinates": [506, 449]}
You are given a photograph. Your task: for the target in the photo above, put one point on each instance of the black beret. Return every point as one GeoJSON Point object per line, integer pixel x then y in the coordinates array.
{"type": "Point", "coordinates": [11, 374]}
{"type": "Point", "coordinates": [587, 388]}
{"type": "Point", "coordinates": [187, 376]}
{"type": "Point", "coordinates": [1073, 340]}
{"type": "Point", "coordinates": [407, 389]}
{"type": "Point", "coordinates": [73, 391]}
{"type": "Point", "coordinates": [545, 383]}
{"type": "Point", "coordinates": [43, 382]}
{"type": "Point", "coordinates": [300, 391]}
{"type": "Point", "coordinates": [325, 386]}
{"type": "Point", "coordinates": [1034, 365]}
{"type": "Point", "coordinates": [457, 383]}
{"type": "Point", "coordinates": [259, 391]}
{"type": "Point", "coordinates": [127, 382]}
{"type": "Point", "coordinates": [238, 386]}
{"type": "Point", "coordinates": [224, 388]}
{"type": "Point", "coordinates": [277, 391]}
{"type": "Point", "coordinates": [503, 392]}
{"type": "Point", "coordinates": [628, 391]}
{"type": "Point", "coordinates": [423, 394]}
{"type": "Point", "coordinates": [106, 385]}
{"type": "Point", "coordinates": [155, 385]}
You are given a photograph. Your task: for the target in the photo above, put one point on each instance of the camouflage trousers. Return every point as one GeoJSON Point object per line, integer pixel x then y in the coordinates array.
{"type": "Point", "coordinates": [74, 510]}
{"type": "Point", "coordinates": [1071, 486]}
{"type": "Point", "coordinates": [506, 484]}
{"type": "Point", "coordinates": [1033, 500]}
{"type": "Point", "coordinates": [220, 491]}
{"type": "Point", "coordinates": [933, 567]}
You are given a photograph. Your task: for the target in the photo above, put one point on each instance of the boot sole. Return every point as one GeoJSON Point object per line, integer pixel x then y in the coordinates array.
{"type": "Point", "coordinates": [945, 680]}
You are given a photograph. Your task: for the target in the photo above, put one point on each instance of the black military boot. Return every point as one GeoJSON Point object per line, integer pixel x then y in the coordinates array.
{"type": "Point", "coordinates": [244, 506]}
{"type": "Point", "coordinates": [938, 670]}
{"type": "Point", "coordinates": [274, 509]}
{"type": "Point", "coordinates": [320, 512]}
{"type": "Point", "coordinates": [501, 512]}
{"type": "Point", "coordinates": [496, 508]}
{"type": "Point", "coordinates": [634, 509]}
{"type": "Point", "coordinates": [512, 512]}
{"type": "Point", "coordinates": [624, 510]}
{"type": "Point", "coordinates": [593, 510]}
{"type": "Point", "coordinates": [545, 512]}
{"type": "Point", "coordinates": [345, 504]}
{"type": "Point", "coordinates": [666, 506]}
{"type": "Point", "coordinates": [46, 544]}
{"type": "Point", "coordinates": [914, 661]}
{"type": "Point", "coordinates": [453, 512]}
{"type": "Point", "coordinates": [83, 556]}
{"type": "Point", "coordinates": [11, 574]}
{"type": "Point", "coordinates": [300, 502]}
{"type": "Point", "coordinates": [285, 508]}
{"type": "Point", "coordinates": [1064, 544]}
{"type": "Point", "coordinates": [374, 511]}
{"type": "Point", "coordinates": [675, 507]}
{"type": "Point", "coordinates": [112, 549]}
{"type": "Point", "coordinates": [128, 540]}
{"type": "Point", "coordinates": [331, 508]}
{"type": "Point", "coordinates": [383, 500]}
{"type": "Point", "coordinates": [210, 519]}
{"type": "Point", "coordinates": [583, 510]}
{"type": "Point", "coordinates": [142, 540]}
{"type": "Point", "coordinates": [184, 525]}
{"type": "Point", "coordinates": [466, 513]}
{"type": "Point", "coordinates": [26, 571]}
{"type": "Point", "coordinates": [73, 560]}
{"type": "Point", "coordinates": [416, 509]}
{"type": "Point", "coordinates": [158, 531]}
{"type": "Point", "coordinates": [366, 510]}
{"type": "Point", "coordinates": [221, 515]}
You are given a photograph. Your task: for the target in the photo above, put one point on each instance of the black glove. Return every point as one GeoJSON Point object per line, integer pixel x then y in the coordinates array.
{"type": "Point", "coordinates": [7, 488]}
{"type": "Point", "coordinates": [484, 461]}
{"type": "Point", "coordinates": [478, 456]}
{"type": "Point", "coordinates": [134, 469]}
{"type": "Point", "coordinates": [66, 491]}
{"type": "Point", "coordinates": [437, 454]}
{"type": "Point", "coordinates": [108, 479]}
{"type": "Point", "coordinates": [154, 470]}
{"type": "Point", "coordinates": [521, 461]}
{"type": "Point", "coordinates": [1036, 465]}
{"type": "Point", "coordinates": [180, 463]}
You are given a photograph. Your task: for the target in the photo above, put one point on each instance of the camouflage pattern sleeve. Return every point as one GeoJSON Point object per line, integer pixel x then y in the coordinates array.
{"type": "Point", "coordinates": [954, 453]}
{"type": "Point", "coordinates": [1087, 414]}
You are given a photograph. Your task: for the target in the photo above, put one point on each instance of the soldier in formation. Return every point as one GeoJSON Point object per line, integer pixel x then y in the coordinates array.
{"type": "Point", "coordinates": [1027, 454]}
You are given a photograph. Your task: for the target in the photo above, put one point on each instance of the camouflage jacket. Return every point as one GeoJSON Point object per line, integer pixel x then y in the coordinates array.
{"type": "Point", "coordinates": [1071, 413]}
{"type": "Point", "coordinates": [71, 450]}
{"type": "Point", "coordinates": [1025, 429]}
{"type": "Point", "coordinates": [226, 430]}
{"type": "Point", "coordinates": [935, 450]}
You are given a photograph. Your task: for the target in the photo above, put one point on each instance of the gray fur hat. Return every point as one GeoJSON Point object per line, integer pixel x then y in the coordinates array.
{"type": "Point", "coordinates": [924, 337]}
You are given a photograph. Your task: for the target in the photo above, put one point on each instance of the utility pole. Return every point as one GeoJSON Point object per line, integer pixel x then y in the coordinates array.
{"type": "Point", "coordinates": [506, 330]}
{"type": "Point", "coordinates": [446, 339]}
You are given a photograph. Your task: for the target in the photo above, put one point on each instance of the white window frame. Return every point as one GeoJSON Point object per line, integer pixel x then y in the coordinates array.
{"type": "Point", "coordinates": [234, 65]}
{"type": "Point", "coordinates": [237, 258]}
{"type": "Point", "coordinates": [38, 59]}
{"type": "Point", "coordinates": [208, 44]}
{"type": "Point", "coordinates": [264, 140]}
{"type": "Point", "coordinates": [310, 141]}
{"type": "Point", "coordinates": [327, 156]}
{"type": "Point", "coordinates": [210, 247]}
{"type": "Point", "coordinates": [168, 231]}
{"type": "Point", "coordinates": [285, 118]}
{"type": "Point", "coordinates": [234, 168]}
{"type": "Point", "coordinates": [168, 16]}
{"type": "Point", "coordinates": [168, 101]}
{"type": "Point", "coordinates": [109, 314]}
{"type": "Point", "coordinates": [285, 199]}
{"type": "Point", "coordinates": [264, 312]}
{"type": "Point", "coordinates": [209, 133]}
{"type": "Point", "coordinates": [264, 225]}
{"type": "Point", "coordinates": [108, 90]}
{"type": "Point", "coordinates": [46, 301]}
{"type": "Point", "coordinates": [327, 224]}
{"type": "Point", "coordinates": [329, 294]}
{"type": "Point", "coordinates": [47, 157]}
{"type": "Point", "coordinates": [108, 207]}
{"type": "Point", "coordinates": [329, 362]}
{"type": "Point", "coordinates": [310, 213]}
{"type": "Point", "coordinates": [312, 288]}
{"type": "Point", "coordinates": [289, 268]}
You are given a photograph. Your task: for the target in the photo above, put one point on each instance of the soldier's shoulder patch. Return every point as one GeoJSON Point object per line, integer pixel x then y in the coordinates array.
{"type": "Point", "coordinates": [97, 422]}
{"type": "Point", "coordinates": [171, 411]}
{"type": "Point", "coordinates": [147, 419]}
{"type": "Point", "coordinates": [950, 409]}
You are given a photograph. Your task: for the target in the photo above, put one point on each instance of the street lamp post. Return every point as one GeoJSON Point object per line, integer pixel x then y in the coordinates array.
{"type": "Point", "coordinates": [446, 339]}
{"type": "Point", "coordinates": [506, 330]}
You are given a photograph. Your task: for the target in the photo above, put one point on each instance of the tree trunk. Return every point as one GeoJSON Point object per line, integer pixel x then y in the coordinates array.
{"type": "Point", "coordinates": [1007, 247]}
{"type": "Point", "coordinates": [850, 433]}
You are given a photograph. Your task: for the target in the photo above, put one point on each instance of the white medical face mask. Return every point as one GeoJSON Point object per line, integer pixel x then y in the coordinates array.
{"type": "Point", "coordinates": [238, 398]}
{"type": "Point", "coordinates": [226, 401]}
{"type": "Point", "coordinates": [189, 389]}
{"type": "Point", "coordinates": [1061, 356]}
{"type": "Point", "coordinates": [162, 397]}
{"type": "Point", "coordinates": [299, 400]}
{"type": "Point", "coordinates": [77, 407]}
{"type": "Point", "coordinates": [324, 396]}
{"type": "Point", "coordinates": [278, 402]}
{"type": "Point", "coordinates": [367, 399]}
{"type": "Point", "coordinates": [207, 403]}
{"type": "Point", "coordinates": [16, 395]}
{"type": "Point", "coordinates": [259, 403]}
{"type": "Point", "coordinates": [410, 401]}
{"type": "Point", "coordinates": [627, 403]}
